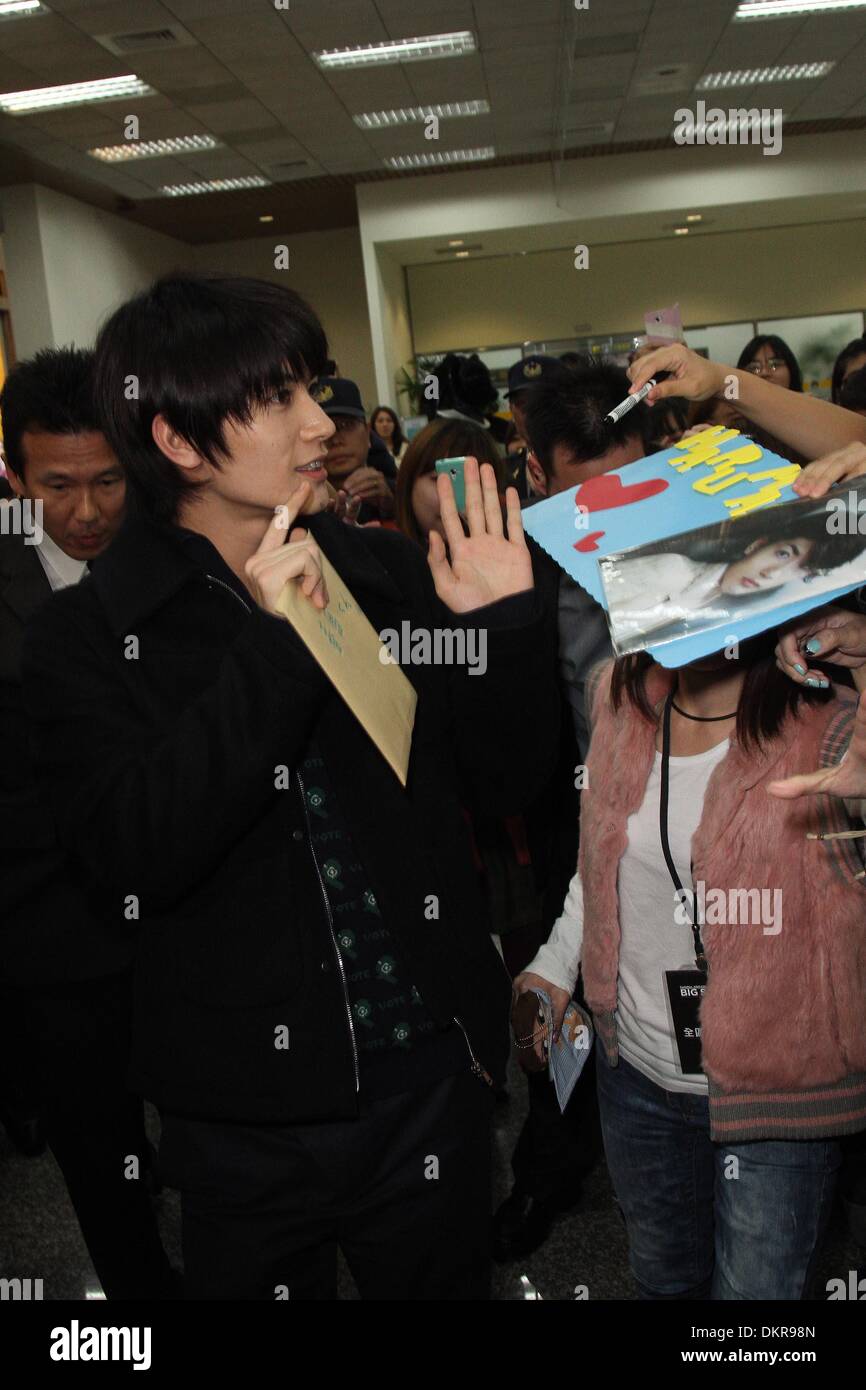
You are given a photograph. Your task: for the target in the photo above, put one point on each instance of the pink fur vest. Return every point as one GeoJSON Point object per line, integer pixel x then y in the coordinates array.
{"type": "Point", "coordinates": [785, 1011]}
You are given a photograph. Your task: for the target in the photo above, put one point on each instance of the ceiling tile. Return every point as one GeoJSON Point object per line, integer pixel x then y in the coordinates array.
{"type": "Point", "coordinates": [121, 17]}
{"type": "Point", "coordinates": [230, 115]}
{"type": "Point", "coordinates": [338, 24]}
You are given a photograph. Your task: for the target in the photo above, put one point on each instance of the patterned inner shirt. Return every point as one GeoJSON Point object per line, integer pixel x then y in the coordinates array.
{"type": "Point", "coordinates": [387, 1010]}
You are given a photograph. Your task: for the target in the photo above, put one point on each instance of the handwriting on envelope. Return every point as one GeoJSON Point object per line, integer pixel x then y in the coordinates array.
{"type": "Point", "coordinates": [732, 469]}
{"type": "Point", "coordinates": [347, 647]}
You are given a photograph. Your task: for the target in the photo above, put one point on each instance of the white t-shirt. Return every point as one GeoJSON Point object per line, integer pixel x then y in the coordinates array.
{"type": "Point", "coordinates": [652, 941]}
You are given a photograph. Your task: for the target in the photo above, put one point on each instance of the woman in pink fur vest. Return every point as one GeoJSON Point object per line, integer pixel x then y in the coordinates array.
{"type": "Point", "coordinates": [722, 942]}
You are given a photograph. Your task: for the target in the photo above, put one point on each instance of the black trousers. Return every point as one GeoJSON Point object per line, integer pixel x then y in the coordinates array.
{"type": "Point", "coordinates": [404, 1191]}
{"type": "Point", "coordinates": [554, 1151]}
{"type": "Point", "coordinates": [76, 1040]}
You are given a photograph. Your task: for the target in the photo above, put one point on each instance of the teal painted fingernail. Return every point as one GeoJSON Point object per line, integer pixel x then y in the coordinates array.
{"type": "Point", "coordinates": [813, 681]}
{"type": "Point", "coordinates": [824, 683]}
{"type": "Point", "coordinates": [801, 670]}
{"type": "Point", "coordinates": [813, 645]}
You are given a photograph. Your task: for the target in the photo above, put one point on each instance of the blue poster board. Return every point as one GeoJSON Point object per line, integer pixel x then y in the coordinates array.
{"type": "Point", "coordinates": [713, 476]}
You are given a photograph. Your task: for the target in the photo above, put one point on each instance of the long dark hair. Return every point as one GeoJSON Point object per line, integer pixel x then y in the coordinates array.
{"type": "Point", "coordinates": [780, 348]}
{"type": "Point", "coordinates": [729, 542]}
{"type": "Point", "coordinates": [767, 698]}
{"type": "Point", "coordinates": [397, 438]}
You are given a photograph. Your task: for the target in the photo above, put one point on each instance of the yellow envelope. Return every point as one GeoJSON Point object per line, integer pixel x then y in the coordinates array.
{"type": "Point", "coordinates": [347, 647]}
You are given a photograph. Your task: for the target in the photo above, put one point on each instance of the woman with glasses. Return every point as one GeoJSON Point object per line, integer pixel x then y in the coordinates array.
{"type": "Point", "coordinates": [770, 357]}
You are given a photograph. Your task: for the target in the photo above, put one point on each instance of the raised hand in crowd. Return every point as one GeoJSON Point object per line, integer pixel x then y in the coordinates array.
{"type": "Point", "coordinates": [492, 561]}
{"type": "Point", "coordinates": [811, 426]}
{"type": "Point", "coordinates": [370, 485]}
{"type": "Point", "coordinates": [837, 637]}
{"type": "Point", "coordinates": [817, 478]}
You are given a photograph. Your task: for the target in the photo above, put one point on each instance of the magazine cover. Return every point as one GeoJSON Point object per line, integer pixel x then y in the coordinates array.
{"type": "Point", "coordinates": [716, 576]}
{"type": "Point", "coordinates": [715, 476]}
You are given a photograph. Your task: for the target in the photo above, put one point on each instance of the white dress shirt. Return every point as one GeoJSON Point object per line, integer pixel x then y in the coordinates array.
{"type": "Point", "coordinates": [60, 569]}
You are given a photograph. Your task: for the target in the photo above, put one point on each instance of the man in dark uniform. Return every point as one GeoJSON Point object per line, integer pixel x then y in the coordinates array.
{"type": "Point", "coordinates": [357, 462]}
{"type": "Point", "coordinates": [65, 999]}
{"type": "Point", "coordinates": [522, 376]}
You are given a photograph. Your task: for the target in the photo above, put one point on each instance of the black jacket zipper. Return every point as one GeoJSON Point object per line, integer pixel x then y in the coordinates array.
{"type": "Point", "coordinates": [477, 1069]}
{"type": "Point", "coordinates": [212, 579]}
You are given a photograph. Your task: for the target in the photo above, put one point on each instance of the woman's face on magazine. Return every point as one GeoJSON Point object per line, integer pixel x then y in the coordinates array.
{"type": "Point", "coordinates": [766, 565]}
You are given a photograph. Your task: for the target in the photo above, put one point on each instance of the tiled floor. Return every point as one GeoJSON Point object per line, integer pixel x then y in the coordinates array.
{"type": "Point", "coordinates": [39, 1236]}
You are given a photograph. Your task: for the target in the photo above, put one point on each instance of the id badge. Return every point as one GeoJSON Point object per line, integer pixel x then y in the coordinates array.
{"type": "Point", "coordinates": [685, 992]}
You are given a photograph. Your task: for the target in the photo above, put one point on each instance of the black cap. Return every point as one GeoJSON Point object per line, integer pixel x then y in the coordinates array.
{"type": "Point", "coordinates": [337, 395]}
{"type": "Point", "coordinates": [529, 370]}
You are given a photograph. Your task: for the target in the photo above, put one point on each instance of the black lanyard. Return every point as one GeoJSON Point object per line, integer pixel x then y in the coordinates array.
{"type": "Point", "coordinates": [700, 956]}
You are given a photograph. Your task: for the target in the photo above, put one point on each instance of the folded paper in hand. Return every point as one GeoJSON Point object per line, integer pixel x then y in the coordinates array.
{"type": "Point", "coordinates": [347, 647]}
{"type": "Point", "coordinates": [571, 1049]}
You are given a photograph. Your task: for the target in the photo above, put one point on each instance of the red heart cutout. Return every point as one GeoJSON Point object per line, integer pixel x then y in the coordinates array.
{"type": "Point", "coordinates": [607, 491]}
{"type": "Point", "coordinates": [589, 542]}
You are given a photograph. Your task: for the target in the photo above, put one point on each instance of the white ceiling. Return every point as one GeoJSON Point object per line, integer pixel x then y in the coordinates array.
{"type": "Point", "coordinates": [248, 78]}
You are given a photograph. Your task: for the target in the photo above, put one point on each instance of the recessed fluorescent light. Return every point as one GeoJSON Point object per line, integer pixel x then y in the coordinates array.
{"type": "Point", "coordinates": [183, 190]}
{"type": "Point", "coordinates": [456, 241]}
{"type": "Point", "coordinates": [18, 8]}
{"type": "Point", "coordinates": [681, 231]}
{"type": "Point", "coordinates": [153, 149]}
{"type": "Point", "coordinates": [399, 51]}
{"type": "Point", "coordinates": [461, 255]}
{"type": "Point", "coordinates": [73, 94]}
{"type": "Point", "coordinates": [408, 115]}
{"type": "Point", "coordinates": [428, 161]}
{"type": "Point", "coordinates": [266, 217]}
{"type": "Point", "coordinates": [754, 77]}
{"type": "Point", "coordinates": [694, 217]}
{"type": "Point", "coordinates": [782, 9]}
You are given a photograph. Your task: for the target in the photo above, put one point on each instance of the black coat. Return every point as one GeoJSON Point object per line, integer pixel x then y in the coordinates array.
{"type": "Point", "coordinates": [161, 769]}
{"type": "Point", "coordinates": [49, 921]}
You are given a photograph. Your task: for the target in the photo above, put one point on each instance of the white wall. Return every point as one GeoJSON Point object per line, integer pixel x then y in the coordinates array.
{"type": "Point", "coordinates": [778, 272]}
{"type": "Point", "coordinates": [26, 284]}
{"type": "Point", "coordinates": [326, 268]}
{"type": "Point", "coordinates": [610, 203]}
{"type": "Point", "coordinates": [68, 265]}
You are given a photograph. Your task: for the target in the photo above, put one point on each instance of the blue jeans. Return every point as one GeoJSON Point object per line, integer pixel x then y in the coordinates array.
{"type": "Point", "coordinates": [701, 1225]}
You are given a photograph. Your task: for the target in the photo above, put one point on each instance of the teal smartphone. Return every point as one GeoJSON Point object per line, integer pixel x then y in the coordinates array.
{"type": "Point", "coordinates": [454, 469]}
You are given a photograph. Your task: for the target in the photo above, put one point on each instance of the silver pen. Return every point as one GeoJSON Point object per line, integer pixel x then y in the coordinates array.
{"type": "Point", "coordinates": [630, 401]}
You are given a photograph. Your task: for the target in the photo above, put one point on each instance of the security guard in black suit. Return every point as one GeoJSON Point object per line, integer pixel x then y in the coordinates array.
{"type": "Point", "coordinates": [65, 1000]}
{"type": "Point", "coordinates": [522, 376]}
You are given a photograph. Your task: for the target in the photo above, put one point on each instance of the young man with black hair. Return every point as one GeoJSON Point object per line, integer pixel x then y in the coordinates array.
{"type": "Point", "coordinates": [319, 1006]}
{"type": "Point", "coordinates": [65, 977]}
{"type": "Point", "coordinates": [563, 412]}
